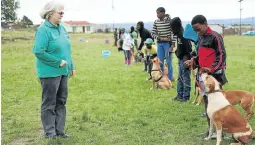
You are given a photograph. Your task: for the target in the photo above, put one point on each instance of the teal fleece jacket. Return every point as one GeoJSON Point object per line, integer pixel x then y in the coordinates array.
{"type": "Point", "coordinates": [51, 46]}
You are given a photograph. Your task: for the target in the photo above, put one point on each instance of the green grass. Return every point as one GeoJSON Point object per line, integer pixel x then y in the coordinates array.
{"type": "Point", "coordinates": [110, 103]}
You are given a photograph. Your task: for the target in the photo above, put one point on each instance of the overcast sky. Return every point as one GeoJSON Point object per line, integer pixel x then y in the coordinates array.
{"type": "Point", "coordinates": [100, 11]}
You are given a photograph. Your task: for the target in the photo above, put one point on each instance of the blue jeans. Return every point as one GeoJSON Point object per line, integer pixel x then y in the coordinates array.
{"type": "Point", "coordinates": [183, 84]}
{"type": "Point", "coordinates": [127, 54]}
{"type": "Point", "coordinates": [163, 51]}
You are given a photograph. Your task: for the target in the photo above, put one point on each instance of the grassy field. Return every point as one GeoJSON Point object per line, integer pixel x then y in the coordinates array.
{"type": "Point", "coordinates": [110, 103]}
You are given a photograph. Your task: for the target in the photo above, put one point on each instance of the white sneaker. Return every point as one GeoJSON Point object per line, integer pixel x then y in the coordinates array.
{"type": "Point", "coordinates": [214, 135]}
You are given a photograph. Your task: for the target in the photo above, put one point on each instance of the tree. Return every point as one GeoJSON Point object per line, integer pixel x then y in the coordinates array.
{"type": "Point", "coordinates": [26, 21]}
{"type": "Point", "coordinates": [8, 12]}
{"type": "Point", "coordinates": [107, 30]}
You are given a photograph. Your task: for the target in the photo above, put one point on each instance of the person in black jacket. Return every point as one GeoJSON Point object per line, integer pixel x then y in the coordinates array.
{"type": "Point", "coordinates": [144, 34]}
{"type": "Point", "coordinates": [184, 48]}
{"type": "Point", "coordinates": [211, 54]}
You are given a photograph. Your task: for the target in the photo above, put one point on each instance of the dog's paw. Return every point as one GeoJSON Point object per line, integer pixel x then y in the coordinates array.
{"type": "Point", "coordinates": [151, 88]}
{"type": "Point", "coordinates": [197, 104]}
{"type": "Point", "coordinates": [193, 102]}
{"type": "Point", "coordinates": [207, 138]}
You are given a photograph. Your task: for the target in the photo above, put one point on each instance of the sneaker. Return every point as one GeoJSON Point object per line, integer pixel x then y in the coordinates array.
{"type": "Point", "coordinates": [177, 98]}
{"type": "Point", "coordinates": [144, 70]}
{"type": "Point", "coordinates": [214, 135]}
{"type": "Point", "coordinates": [63, 135]}
{"type": "Point", "coordinates": [50, 136]}
{"type": "Point", "coordinates": [184, 100]}
{"type": "Point", "coordinates": [203, 115]}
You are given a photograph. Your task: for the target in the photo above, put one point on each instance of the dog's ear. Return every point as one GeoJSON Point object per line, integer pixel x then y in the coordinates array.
{"type": "Point", "coordinates": [154, 60]}
{"type": "Point", "coordinates": [211, 84]}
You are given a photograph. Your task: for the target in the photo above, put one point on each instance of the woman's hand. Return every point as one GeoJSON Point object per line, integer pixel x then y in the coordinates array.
{"type": "Point", "coordinates": [73, 72]}
{"type": "Point", "coordinates": [63, 63]}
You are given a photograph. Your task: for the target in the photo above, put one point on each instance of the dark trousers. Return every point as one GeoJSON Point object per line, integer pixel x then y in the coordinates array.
{"type": "Point", "coordinates": [53, 110]}
{"type": "Point", "coordinates": [148, 64]}
{"type": "Point", "coordinates": [183, 83]}
{"type": "Point", "coordinates": [115, 41]}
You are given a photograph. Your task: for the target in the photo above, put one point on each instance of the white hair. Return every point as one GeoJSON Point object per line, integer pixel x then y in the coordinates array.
{"type": "Point", "coordinates": [49, 8]}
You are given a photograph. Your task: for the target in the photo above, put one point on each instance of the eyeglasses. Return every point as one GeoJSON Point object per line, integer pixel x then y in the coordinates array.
{"type": "Point", "coordinates": [61, 13]}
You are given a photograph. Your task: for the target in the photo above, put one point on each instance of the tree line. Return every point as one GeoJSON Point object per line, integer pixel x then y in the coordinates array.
{"type": "Point", "coordinates": [9, 13]}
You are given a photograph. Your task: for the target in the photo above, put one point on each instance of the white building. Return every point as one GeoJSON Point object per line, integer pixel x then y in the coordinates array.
{"type": "Point", "coordinates": [78, 26]}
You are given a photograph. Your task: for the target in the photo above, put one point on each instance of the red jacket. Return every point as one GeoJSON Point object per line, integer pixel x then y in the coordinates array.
{"type": "Point", "coordinates": [211, 51]}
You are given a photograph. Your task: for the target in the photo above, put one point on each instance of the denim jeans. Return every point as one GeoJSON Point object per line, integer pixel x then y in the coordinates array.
{"type": "Point", "coordinates": [183, 83]}
{"type": "Point", "coordinates": [127, 54]}
{"type": "Point", "coordinates": [163, 51]}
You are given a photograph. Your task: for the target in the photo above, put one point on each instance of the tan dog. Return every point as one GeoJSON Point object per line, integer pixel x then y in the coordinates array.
{"type": "Point", "coordinates": [198, 98]}
{"type": "Point", "coordinates": [158, 77]}
{"type": "Point", "coordinates": [223, 115]}
{"type": "Point", "coordinates": [244, 98]}
{"type": "Point", "coordinates": [165, 70]}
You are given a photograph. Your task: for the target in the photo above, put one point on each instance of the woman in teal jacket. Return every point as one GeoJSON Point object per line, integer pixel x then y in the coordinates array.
{"type": "Point", "coordinates": [53, 65]}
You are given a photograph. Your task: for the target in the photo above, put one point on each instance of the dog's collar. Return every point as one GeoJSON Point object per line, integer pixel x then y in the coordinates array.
{"type": "Point", "coordinates": [219, 90]}
{"type": "Point", "coordinates": [155, 70]}
{"type": "Point", "coordinates": [159, 77]}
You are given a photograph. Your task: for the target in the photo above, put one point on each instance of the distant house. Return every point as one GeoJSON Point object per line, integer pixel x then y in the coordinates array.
{"type": "Point", "coordinates": [78, 26]}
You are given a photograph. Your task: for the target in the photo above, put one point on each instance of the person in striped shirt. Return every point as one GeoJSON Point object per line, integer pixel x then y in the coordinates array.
{"type": "Point", "coordinates": [163, 34]}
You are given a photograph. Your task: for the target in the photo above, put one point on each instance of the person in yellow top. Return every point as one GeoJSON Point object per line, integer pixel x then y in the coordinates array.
{"type": "Point", "coordinates": [149, 52]}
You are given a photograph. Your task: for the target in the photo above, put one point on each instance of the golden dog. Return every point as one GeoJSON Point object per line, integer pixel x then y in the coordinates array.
{"type": "Point", "coordinates": [158, 77]}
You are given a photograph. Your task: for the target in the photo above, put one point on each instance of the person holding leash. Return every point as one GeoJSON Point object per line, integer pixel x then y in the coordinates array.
{"type": "Point", "coordinates": [183, 53]}
{"type": "Point", "coordinates": [162, 32]}
{"type": "Point", "coordinates": [150, 52]}
{"type": "Point", "coordinates": [210, 55]}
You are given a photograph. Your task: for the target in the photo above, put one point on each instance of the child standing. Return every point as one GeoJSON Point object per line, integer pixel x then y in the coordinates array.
{"type": "Point", "coordinates": [128, 44]}
{"type": "Point", "coordinates": [184, 48]}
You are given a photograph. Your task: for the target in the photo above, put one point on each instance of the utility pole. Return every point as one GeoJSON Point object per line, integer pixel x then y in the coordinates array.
{"type": "Point", "coordinates": [240, 27]}
{"type": "Point", "coordinates": [113, 16]}
{"type": "Point", "coordinates": [252, 24]}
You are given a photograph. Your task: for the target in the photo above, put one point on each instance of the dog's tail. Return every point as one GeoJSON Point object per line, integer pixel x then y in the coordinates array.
{"type": "Point", "coordinates": [170, 82]}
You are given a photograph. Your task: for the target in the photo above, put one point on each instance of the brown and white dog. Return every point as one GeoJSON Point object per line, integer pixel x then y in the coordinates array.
{"type": "Point", "coordinates": [244, 98]}
{"type": "Point", "coordinates": [158, 77]}
{"type": "Point", "coordinates": [223, 115]}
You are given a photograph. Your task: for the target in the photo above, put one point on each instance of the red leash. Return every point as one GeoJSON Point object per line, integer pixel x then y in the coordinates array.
{"type": "Point", "coordinates": [193, 73]}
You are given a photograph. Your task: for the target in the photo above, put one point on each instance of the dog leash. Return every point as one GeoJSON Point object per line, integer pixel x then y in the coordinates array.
{"type": "Point", "coordinates": [159, 77]}
{"type": "Point", "coordinates": [193, 73]}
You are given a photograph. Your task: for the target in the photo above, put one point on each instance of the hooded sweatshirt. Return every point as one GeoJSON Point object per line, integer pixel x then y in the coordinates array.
{"type": "Point", "coordinates": [184, 47]}
{"type": "Point", "coordinates": [144, 34]}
